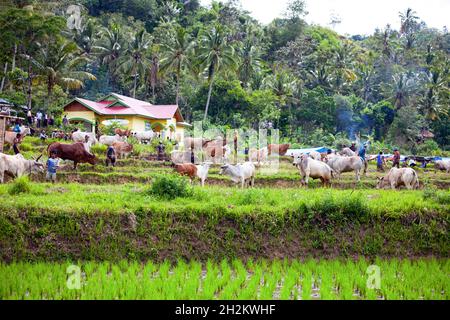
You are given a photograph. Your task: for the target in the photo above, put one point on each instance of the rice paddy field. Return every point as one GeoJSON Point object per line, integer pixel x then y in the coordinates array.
{"type": "Point", "coordinates": [275, 241]}
{"type": "Point", "coordinates": [265, 280]}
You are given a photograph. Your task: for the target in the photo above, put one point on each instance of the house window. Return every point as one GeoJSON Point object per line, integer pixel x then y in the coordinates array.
{"type": "Point", "coordinates": [148, 126]}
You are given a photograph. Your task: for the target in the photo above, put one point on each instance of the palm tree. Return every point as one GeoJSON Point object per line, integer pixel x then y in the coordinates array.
{"type": "Point", "coordinates": [177, 55]}
{"type": "Point", "coordinates": [249, 63]}
{"type": "Point", "coordinates": [408, 26]}
{"type": "Point", "coordinates": [285, 86]}
{"type": "Point", "coordinates": [86, 37]}
{"type": "Point", "coordinates": [59, 64]}
{"type": "Point", "coordinates": [342, 73]}
{"type": "Point", "coordinates": [433, 103]}
{"type": "Point", "coordinates": [134, 60]}
{"type": "Point", "coordinates": [153, 72]}
{"type": "Point", "coordinates": [216, 53]}
{"type": "Point", "coordinates": [110, 47]}
{"type": "Point", "coordinates": [402, 89]}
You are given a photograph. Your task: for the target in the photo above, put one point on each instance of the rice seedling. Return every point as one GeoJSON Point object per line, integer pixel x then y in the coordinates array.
{"type": "Point", "coordinates": [331, 279]}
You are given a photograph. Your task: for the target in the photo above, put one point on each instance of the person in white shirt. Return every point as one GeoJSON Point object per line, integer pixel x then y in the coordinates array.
{"type": "Point", "coordinates": [38, 119]}
{"type": "Point", "coordinates": [29, 117]}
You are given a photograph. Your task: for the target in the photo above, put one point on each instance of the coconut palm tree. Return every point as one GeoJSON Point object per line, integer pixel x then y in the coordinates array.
{"type": "Point", "coordinates": [178, 55]}
{"type": "Point", "coordinates": [134, 60]}
{"type": "Point", "coordinates": [249, 62]}
{"type": "Point", "coordinates": [343, 74]}
{"type": "Point", "coordinates": [435, 101]}
{"type": "Point", "coordinates": [216, 53]}
{"type": "Point", "coordinates": [87, 36]}
{"type": "Point", "coordinates": [409, 26]}
{"type": "Point", "coordinates": [110, 47]}
{"type": "Point", "coordinates": [153, 69]}
{"type": "Point", "coordinates": [403, 88]}
{"type": "Point", "coordinates": [60, 64]}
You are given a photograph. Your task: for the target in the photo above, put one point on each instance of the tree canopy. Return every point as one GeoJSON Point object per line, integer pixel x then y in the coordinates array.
{"type": "Point", "coordinates": [219, 64]}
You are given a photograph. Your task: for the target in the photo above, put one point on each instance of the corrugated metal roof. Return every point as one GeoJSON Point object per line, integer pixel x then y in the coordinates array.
{"type": "Point", "coordinates": [129, 106]}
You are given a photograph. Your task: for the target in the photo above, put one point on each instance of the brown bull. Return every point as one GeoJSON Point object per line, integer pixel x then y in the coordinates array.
{"type": "Point", "coordinates": [123, 149]}
{"type": "Point", "coordinates": [280, 149]}
{"type": "Point", "coordinates": [122, 133]}
{"type": "Point", "coordinates": [74, 152]}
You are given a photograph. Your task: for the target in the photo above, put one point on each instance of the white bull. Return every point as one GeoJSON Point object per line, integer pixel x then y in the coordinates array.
{"type": "Point", "coordinates": [442, 165]}
{"type": "Point", "coordinates": [346, 164]}
{"type": "Point", "coordinates": [315, 155]}
{"type": "Point", "coordinates": [80, 136]}
{"type": "Point", "coordinates": [347, 152]}
{"type": "Point", "coordinates": [202, 172]}
{"type": "Point", "coordinates": [142, 136]}
{"type": "Point", "coordinates": [315, 169]}
{"type": "Point", "coordinates": [11, 135]}
{"type": "Point", "coordinates": [399, 177]}
{"type": "Point", "coordinates": [240, 173]}
{"type": "Point", "coordinates": [18, 166]}
{"type": "Point", "coordinates": [109, 140]}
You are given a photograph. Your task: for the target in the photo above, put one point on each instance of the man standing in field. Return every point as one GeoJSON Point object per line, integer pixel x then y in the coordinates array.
{"type": "Point", "coordinates": [362, 155]}
{"type": "Point", "coordinates": [65, 121]}
{"type": "Point", "coordinates": [110, 156]}
{"type": "Point", "coordinates": [380, 161]}
{"type": "Point", "coordinates": [52, 165]}
{"type": "Point", "coordinates": [160, 149]}
{"type": "Point", "coordinates": [29, 117]}
{"type": "Point", "coordinates": [38, 118]}
{"type": "Point", "coordinates": [396, 159]}
{"type": "Point", "coordinates": [17, 140]}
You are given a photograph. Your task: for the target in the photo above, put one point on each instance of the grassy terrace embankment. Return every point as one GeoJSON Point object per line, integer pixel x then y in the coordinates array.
{"type": "Point", "coordinates": [112, 222]}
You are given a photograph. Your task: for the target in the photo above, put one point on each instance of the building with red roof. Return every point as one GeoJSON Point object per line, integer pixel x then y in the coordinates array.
{"type": "Point", "coordinates": [136, 115]}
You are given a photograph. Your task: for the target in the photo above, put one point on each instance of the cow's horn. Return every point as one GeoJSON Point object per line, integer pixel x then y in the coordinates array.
{"type": "Point", "coordinates": [39, 157]}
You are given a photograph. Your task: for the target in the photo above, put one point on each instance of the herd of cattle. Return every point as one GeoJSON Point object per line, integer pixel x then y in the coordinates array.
{"type": "Point", "coordinates": [313, 165]}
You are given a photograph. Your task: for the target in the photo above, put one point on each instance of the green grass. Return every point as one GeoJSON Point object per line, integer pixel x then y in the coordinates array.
{"type": "Point", "coordinates": [128, 198]}
{"type": "Point", "coordinates": [295, 279]}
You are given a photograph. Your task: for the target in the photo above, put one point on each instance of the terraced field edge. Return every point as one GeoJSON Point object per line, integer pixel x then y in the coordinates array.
{"type": "Point", "coordinates": [253, 224]}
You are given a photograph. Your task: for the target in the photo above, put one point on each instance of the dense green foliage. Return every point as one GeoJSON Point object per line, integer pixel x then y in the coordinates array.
{"type": "Point", "coordinates": [293, 280]}
{"type": "Point", "coordinates": [218, 62]}
{"type": "Point", "coordinates": [170, 187]}
{"type": "Point", "coordinates": [20, 185]}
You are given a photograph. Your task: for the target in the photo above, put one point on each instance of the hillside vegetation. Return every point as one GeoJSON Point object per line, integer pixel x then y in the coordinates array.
{"type": "Point", "coordinates": [221, 65]}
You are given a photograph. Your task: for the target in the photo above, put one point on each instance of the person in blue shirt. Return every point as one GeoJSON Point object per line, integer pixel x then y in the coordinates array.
{"type": "Point", "coordinates": [362, 153]}
{"type": "Point", "coordinates": [380, 161]}
{"type": "Point", "coordinates": [52, 166]}
{"type": "Point", "coordinates": [17, 128]}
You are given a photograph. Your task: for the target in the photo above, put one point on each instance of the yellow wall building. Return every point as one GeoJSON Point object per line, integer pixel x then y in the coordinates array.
{"type": "Point", "coordinates": [134, 114]}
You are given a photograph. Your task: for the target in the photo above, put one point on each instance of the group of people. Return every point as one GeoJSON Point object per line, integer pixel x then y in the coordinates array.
{"type": "Point", "coordinates": [40, 120]}
{"type": "Point", "coordinates": [380, 158]}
